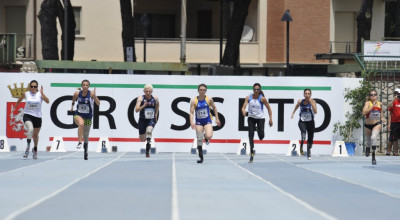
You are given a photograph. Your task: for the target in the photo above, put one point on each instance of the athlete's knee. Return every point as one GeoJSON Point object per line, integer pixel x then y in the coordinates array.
{"type": "Point", "coordinates": [261, 135]}
{"type": "Point", "coordinates": [303, 136]}
{"type": "Point", "coordinates": [208, 136]}
{"type": "Point", "coordinates": [29, 129]}
{"type": "Point", "coordinates": [142, 137]}
{"type": "Point", "coordinates": [149, 132]}
{"type": "Point", "coordinates": [199, 136]}
{"type": "Point", "coordinates": [81, 124]}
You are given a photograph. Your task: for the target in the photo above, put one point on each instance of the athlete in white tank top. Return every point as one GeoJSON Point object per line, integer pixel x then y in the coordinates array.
{"type": "Point", "coordinates": [255, 108]}
{"type": "Point", "coordinates": [33, 104]}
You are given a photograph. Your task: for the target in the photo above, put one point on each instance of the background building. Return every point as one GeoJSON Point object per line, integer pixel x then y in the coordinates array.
{"type": "Point", "coordinates": [323, 26]}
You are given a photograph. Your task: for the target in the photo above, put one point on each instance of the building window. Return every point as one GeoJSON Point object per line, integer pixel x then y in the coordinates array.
{"type": "Point", "coordinates": [77, 14]}
{"type": "Point", "coordinates": [160, 26]}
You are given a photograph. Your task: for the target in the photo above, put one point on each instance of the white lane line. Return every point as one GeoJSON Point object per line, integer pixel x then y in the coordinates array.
{"type": "Point", "coordinates": [43, 199]}
{"type": "Point", "coordinates": [301, 202]}
{"type": "Point", "coordinates": [10, 155]}
{"type": "Point", "coordinates": [342, 179]}
{"type": "Point", "coordinates": [36, 164]}
{"type": "Point", "coordinates": [366, 166]}
{"type": "Point", "coordinates": [175, 205]}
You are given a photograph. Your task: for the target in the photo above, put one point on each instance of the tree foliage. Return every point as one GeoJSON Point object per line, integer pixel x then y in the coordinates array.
{"type": "Point", "coordinates": [356, 98]}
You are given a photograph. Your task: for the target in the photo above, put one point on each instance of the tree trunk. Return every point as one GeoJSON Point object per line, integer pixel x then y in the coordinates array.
{"type": "Point", "coordinates": [364, 20]}
{"type": "Point", "coordinates": [234, 34]}
{"type": "Point", "coordinates": [397, 26]}
{"type": "Point", "coordinates": [70, 30]}
{"type": "Point", "coordinates": [128, 34]}
{"type": "Point", "coordinates": [48, 23]}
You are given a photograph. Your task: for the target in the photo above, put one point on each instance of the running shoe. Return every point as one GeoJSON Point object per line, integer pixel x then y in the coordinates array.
{"type": "Point", "coordinates": [85, 156]}
{"type": "Point", "coordinates": [251, 158]}
{"type": "Point", "coordinates": [34, 156]}
{"type": "Point", "coordinates": [373, 158]}
{"type": "Point", "coordinates": [301, 151]}
{"type": "Point", "coordinates": [79, 146]}
{"type": "Point", "coordinates": [200, 161]}
{"type": "Point", "coordinates": [147, 154]}
{"type": "Point", "coordinates": [26, 153]}
{"type": "Point", "coordinates": [308, 158]}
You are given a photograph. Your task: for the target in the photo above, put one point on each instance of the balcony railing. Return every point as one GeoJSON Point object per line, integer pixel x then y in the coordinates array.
{"type": "Point", "coordinates": [342, 47]}
{"type": "Point", "coordinates": [24, 47]}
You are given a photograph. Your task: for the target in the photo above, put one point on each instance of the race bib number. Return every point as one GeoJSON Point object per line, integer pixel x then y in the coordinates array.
{"type": "Point", "coordinates": [306, 116]}
{"type": "Point", "coordinates": [148, 113]}
{"type": "Point", "coordinates": [33, 106]}
{"type": "Point", "coordinates": [83, 108]}
{"type": "Point", "coordinates": [201, 113]}
{"type": "Point", "coordinates": [374, 114]}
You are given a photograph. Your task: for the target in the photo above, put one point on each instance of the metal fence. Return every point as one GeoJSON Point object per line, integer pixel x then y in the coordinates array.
{"type": "Point", "coordinates": [7, 48]}
{"type": "Point", "coordinates": [24, 46]}
{"type": "Point", "coordinates": [342, 47]}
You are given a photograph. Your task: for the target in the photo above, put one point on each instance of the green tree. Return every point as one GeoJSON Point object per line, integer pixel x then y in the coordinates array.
{"type": "Point", "coordinates": [356, 98]}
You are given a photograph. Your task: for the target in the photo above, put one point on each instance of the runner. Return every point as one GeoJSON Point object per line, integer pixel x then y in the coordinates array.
{"type": "Point", "coordinates": [256, 115]}
{"type": "Point", "coordinates": [373, 123]}
{"type": "Point", "coordinates": [308, 108]}
{"type": "Point", "coordinates": [148, 106]}
{"type": "Point", "coordinates": [201, 105]}
{"type": "Point", "coordinates": [84, 113]}
{"type": "Point", "coordinates": [32, 115]}
{"type": "Point", "coordinates": [391, 142]}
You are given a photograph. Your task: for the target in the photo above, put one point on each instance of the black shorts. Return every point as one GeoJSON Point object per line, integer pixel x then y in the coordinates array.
{"type": "Point", "coordinates": [37, 122]}
{"type": "Point", "coordinates": [391, 135]}
{"type": "Point", "coordinates": [144, 123]}
{"type": "Point", "coordinates": [395, 131]}
{"type": "Point", "coordinates": [370, 127]}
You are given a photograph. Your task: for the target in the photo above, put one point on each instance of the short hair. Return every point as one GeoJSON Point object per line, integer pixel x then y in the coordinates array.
{"type": "Point", "coordinates": [148, 86]}
{"type": "Point", "coordinates": [202, 85]}
{"type": "Point", "coordinates": [33, 81]}
{"type": "Point", "coordinates": [85, 80]}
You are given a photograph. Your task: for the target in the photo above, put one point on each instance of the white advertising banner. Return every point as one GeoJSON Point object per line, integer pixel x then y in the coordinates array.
{"type": "Point", "coordinates": [381, 48]}
{"type": "Point", "coordinates": [115, 117]}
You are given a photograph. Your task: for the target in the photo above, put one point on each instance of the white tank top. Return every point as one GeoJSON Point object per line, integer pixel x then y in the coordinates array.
{"type": "Point", "coordinates": [256, 109]}
{"type": "Point", "coordinates": [33, 104]}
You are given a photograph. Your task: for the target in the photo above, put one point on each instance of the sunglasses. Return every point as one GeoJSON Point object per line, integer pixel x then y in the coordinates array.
{"type": "Point", "coordinates": [33, 87]}
{"type": "Point", "coordinates": [372, 94]}
{"type": "Point", "coordinates": [256, 89]}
